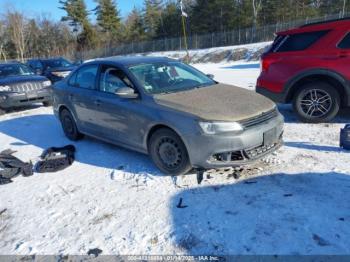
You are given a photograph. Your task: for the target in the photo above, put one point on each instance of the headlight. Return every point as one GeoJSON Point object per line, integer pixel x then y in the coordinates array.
{"type": "Point", "coordinates": [212, 128]}
{"type": "Point", "coordinates": [46, 83]}
{"type": "Point", "coordinates": [61, 74]}
{"type": "Point", "coordinates": [5, 88]}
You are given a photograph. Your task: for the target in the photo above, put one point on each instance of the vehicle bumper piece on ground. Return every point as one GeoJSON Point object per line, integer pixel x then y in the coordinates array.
{"type": "Point", "coordinates": [9, 100]}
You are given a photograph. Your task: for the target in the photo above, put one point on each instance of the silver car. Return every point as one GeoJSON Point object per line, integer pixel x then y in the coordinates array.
{"type": "Point", "coordinates": [181, 117]}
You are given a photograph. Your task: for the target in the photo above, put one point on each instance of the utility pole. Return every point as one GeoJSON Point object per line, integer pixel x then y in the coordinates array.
{"type": "Point", "coordinates": [183, 17]}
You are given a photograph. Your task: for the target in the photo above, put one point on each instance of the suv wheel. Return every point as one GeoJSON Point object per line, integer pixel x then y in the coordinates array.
{"type": "Point", "coordinates": [316, 102]}
{"type": "Point", "coordinates": [169, 153]}
{"type": "Point", "coordinates": [69, 127]}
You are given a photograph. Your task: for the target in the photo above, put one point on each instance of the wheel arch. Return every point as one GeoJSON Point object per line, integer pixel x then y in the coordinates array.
{"type": "Point", "coordinates": [61, 108]}
{"type": "Point", "coordinates": [158, 126]}
{"type": "Point", "coordinates": [330, 77]}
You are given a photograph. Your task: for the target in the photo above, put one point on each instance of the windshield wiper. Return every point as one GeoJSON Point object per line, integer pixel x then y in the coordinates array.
{"type": "Point", "coordinates": [204, 85]}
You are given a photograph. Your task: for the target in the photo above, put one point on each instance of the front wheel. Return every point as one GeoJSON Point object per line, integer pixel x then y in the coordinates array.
{"type": "Point", "coordinates": [316, 102]}
{"type": "Point", "coordinates": [169, 153]}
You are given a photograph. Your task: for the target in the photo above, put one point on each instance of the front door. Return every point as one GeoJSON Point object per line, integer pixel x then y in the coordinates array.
{"type": "Point", "coordinates": [119, 119]}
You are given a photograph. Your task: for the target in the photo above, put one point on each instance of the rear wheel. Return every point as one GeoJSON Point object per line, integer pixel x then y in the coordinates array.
{"type": "Point", "coordinates": [169, 153]}
{"type": "Point", "coordinates": [69, 126]}
{"type": "Point", "coordinates": [316, 102]}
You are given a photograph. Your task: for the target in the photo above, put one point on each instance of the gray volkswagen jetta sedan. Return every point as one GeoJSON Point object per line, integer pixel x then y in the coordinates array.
{"type": "Point", "coordinates": [181, 117]}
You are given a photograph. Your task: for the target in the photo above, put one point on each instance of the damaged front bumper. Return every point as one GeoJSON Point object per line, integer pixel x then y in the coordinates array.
{"type": "Point", "coordinates": [217, 151]}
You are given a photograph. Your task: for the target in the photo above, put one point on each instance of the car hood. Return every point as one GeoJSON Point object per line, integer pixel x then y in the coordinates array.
{"type": "Point", "coordinates": [217, 103]}
{"type": "Point", "coordinates": [18, 79]}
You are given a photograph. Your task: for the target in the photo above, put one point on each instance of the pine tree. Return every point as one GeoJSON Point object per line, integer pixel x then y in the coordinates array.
{"type": "Point", "coordinates": [219, 16]}
{"type": "Point", "coordinates": [171, 21]}
{"type": "Point", "coordinates": [108, 18]}
{"type": "Point", "coordinates": [134, 26]}
{"type": "Point", "coordinates": [77, 17]}
{"type": "Point", "coordinates": [152, 17]}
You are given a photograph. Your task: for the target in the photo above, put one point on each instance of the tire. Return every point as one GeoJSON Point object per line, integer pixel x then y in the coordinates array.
{"type": "Point", "coordinates": [69, 126]}
{"type": "Point", "coordinates": [316, 102]}
{"type": "Point", "coordinates": [169, 153]}
{"type": "Point", "coordinates": [47, 103]}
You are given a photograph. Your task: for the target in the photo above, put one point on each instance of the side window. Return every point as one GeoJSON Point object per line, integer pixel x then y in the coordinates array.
{"type": "Point", "coordinates": [299, 42]}
{"type": "Point", "coordinates": [111, 79]}
{"type": "Point", "coordinates": [85, 77]}
{"type": "Point", "coordinates": [72, 79]}
{"type": "Point", "coordinates": [345, 43]}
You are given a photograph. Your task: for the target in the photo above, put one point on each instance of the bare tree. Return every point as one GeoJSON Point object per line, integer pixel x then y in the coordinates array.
{"type": "Point", "coordinates": [344, 5]}
{"type": "Point", "coordinates": [257, 4]}
{"type": "Point", "coordinates": [17, 30]}
{"type": "Point", "coordinates": [2, 41]}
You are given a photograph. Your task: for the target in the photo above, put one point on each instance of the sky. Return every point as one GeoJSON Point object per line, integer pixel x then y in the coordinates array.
{"type": "Point", "coordinates": [33, 8]}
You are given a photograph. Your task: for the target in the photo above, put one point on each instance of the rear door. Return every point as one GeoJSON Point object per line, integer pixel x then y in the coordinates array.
{"type": "Point", "coordinates": [82, 97]}
{"type": "Point", "coordinates": [342, 63]}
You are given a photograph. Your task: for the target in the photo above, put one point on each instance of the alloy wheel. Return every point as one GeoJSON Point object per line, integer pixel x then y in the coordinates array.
{"type": "Point", "coordinates": [316, 103]}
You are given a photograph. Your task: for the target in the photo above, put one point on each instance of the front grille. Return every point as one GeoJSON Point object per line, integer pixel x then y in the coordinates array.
{"type": "Point", "coordinates": [228, 156]}
{"type": "Point", "coordinates": [257, 151]}
{"type": "Point", "coordinates": [27, 87]}
{"type": "Point", "coordinates": [250, 122]}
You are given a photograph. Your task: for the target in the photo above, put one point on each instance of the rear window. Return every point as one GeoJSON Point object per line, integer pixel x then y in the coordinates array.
{"type": "Point", "coordinates": [345, 43]}
{"type": "Point", "coordinates": [276, 43]}
{"type": "Point", "coordinates": [299, 42]}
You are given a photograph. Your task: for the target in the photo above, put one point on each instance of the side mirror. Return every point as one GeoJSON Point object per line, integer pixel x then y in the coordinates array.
{"type": "Point", "coordinates": [126, 92]}
{"type": "Point", "coordinates": [210, 76]}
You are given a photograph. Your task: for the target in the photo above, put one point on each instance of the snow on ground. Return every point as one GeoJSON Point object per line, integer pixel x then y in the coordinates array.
{"type": "Point", "coordinates": [293, 202]}
{"type": "Point", "coordinates": [218, 54]}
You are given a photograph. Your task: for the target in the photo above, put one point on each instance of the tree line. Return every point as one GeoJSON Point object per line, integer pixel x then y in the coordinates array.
{"type": "Point", "coordinates": [22, 37]}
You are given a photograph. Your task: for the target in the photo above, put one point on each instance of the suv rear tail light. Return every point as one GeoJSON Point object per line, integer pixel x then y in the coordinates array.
{"type": "Point", "coordinates": [266, 62]}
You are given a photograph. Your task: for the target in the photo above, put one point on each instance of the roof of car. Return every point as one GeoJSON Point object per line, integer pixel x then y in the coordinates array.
{"type": "Point", "coordinates": [318, 26]}
{"type": "Point", "coordinates": [132, 60]}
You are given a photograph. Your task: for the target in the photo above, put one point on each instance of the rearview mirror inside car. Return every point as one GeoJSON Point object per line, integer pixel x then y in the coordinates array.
{"type": "Point", "coordinates": [126, 92]}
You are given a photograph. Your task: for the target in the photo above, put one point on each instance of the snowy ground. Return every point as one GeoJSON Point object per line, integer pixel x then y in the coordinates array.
{"type": "Point", "coordinates": [293, 202]}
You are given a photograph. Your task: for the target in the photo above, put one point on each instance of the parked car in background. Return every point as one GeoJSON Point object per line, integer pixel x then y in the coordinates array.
{"type": "Point", "coordinates": [54, 69]}
{"type": "Point", "coordinates": [309, 66]}
{"type": "Point", "coordinates": [181, 117]}
{"type": "Point", "coordinates": [20, 86]}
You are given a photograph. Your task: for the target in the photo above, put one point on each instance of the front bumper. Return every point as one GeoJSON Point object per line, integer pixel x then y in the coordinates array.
{"type": "Point", "coordinates": [276, 97]}
{"type": "Point", "coordinates": [216, 151]}
{"type": "Point", "coordinates": [11, 99]}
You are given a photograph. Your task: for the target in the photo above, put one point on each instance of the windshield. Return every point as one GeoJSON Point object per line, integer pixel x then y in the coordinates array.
{"type": "Point", "coordinates": [57, 63]}
{"type": "Point", "coordinates": [15, 70]}
{"type": "Point", "coordinates": [169, 77]}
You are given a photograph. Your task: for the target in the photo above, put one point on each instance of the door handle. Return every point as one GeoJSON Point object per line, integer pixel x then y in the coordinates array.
{"type": "Point", "coordinates": [343, 55]}
{"type": "Point", "coordinates": [70, 96]}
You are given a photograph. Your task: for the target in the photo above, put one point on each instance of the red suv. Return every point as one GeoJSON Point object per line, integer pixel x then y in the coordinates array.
{"type": "Point", "coordinates": [310, 67]}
